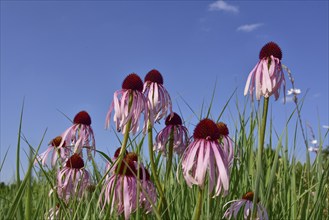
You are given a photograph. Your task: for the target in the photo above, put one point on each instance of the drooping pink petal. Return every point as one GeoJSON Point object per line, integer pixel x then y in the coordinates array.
{"type": "Point", "coordinates": [266, 85]}
{"type": "Point", "coordinates": [250, 76]}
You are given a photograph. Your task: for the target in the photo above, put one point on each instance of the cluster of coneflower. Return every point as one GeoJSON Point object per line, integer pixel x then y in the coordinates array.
{"type": "Point", "coordinates": [205, 157]}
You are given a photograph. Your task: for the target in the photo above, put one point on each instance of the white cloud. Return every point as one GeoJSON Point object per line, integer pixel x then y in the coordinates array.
{"type": "Point", "coordinates": [223, 6]}
{"type": "Point", "coordinates": [249, 27]}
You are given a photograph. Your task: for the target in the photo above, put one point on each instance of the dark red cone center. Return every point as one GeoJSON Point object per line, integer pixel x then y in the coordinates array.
{"type": "Point", "coordinates": [82, 118]}
{"type": "Point", "coordinates": [249, 196]}
{"type": "Point", "coordinates": [206, 129]}
{"type": "Point", "coordinates": [154, 76]}
{"type": "Point", "coordinates": [117, 152]}
{"type": "Point", "coordinates": [127, 167]}
{"type": "Point", "coordinates": [133, 82]}
{"type": "Point", "coordinates": [269, 49]}
{"type": "Point", "coordinates": [223, 130]}
{"type": "Point", "coordinates": [174, 120]}
{"type": "Point", "coordinates": [57, 141]}
{"type": "Point", "coordinates": [75, 161]}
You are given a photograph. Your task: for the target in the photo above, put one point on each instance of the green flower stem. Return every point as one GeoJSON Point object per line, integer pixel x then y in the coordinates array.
{"type": "Point", "coordinates": [170, 153]}
{"type": "Point", "coordinates": [123, 149]}
{"type": "Point", "coordinates": [198, 207]}
{"type": "Point", "coordinates": [154, 172]}
{"type": "Point", "coordinates": [261, 137]}
{"type": "Point", "coordinates": [126, 134]}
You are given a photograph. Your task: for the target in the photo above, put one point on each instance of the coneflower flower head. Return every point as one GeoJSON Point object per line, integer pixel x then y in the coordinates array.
{"type": "Point", "coordinates": [250, 196]}
{"type": "Point", "coordinates": [206, 129]}
{"type": "Point", "coordinates": [82, 118]}
{"type": "Point", "coordinates": [56, 141]}
{"type": "Point", "coordinates": [133, 82]}
{"type": "Point", "coordinates": [80, 134]}
{"type": "Point", "coordinates": [173, 124]}
{"type": "Point", "coordinates": [267, 76]}
{"type": "Point", "coordinates": [226, 142]}
{"type": "Point", "coordinates": [173, 119]}
{"type": "Point", "coordinates": [154, 76]}
{"type": "Point", "coordinates": [58, 153]}
{"type": "Point", "coordinates": [122, 185]}
{"type": "Point", "coordinates": [75, 162]}
{"type": "Point", "coordinates": [247, 203]}
{"type": "Point", "coordinates": [159, 100]}
{"type": "Point", "coordinates": [223, 129]}
{"type": "Point", "coordinates": [53, 213]}
{"type": "Point", "coordinates": [128, 165]}
{"type": "Point", "coordinates": [115, 157]}
{"type": "Point", "coordinates": [73, 178]}
{"type": "Point", "coordinates": [204, 155]}
{"type": "Point", "coordinates": [270, 49]}
{"type": "Point", "coordinates": [128, 104]}
{"type": "Point", "coordinates": [117, 152]}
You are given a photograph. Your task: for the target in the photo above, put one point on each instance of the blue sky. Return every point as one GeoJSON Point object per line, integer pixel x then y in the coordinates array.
{"type": "Point", "coordinates": [72, 56]}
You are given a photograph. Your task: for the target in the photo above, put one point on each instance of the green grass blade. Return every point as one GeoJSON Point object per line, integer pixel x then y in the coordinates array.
{"type": "Point", "coordinates": [18, 149]}
{"type": "Point", "coordinates": [17, 202]}
{"type": "Point", "coordinates": [4, 159]}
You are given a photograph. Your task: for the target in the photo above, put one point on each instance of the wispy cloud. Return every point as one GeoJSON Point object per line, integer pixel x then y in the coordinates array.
{"type": "Point", "coordinates": [316, 95]}
{"type": "Point", "coordinates": [249, 27]}
{"type": "Point", "coordinates": [288, 99]}
{"type": "Point", "coordinates": [223, 6]}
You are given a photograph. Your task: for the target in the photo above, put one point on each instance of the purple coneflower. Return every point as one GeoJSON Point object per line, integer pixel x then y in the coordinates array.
{"type": "Point", "coordinates": [159, 98]}
{"type": "Point", "coordinates": [57, 152]}
{"type": "Point", "coordinates": [73, 179]}
{"type": "Point", "coordinates": [114, 160]}
{"type": "Point", "coordinates": [148, 195]}
{"type": "Point", "coordinates": [203, 154]}
{"type": "Point", "coordinates": [56, 213]}
{"type": "Point", "coordinates": [80, 134]}
{"type": "Point", "coordinates": [128, 104]}
{"type": "Point", "coordinates": [267, 76]}
{"type": "Point", "coordinates": [247, 202]}
{"type": "Point", "coordinates": [226, 142]}
{"type": "Point", "coordinates": [180, 135]}
{"type": "Point", "coordinates": [121, 187]}
{"type": "Point", "coordinates": [53, 213]}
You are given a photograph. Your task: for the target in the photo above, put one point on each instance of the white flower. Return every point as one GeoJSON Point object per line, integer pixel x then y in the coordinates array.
{"type": "Point", "coordinates": [313, 149]}
{"type": "Point", "coordinates": [314, 142]}
{"type": "Point", "coordinates": [294, 91]}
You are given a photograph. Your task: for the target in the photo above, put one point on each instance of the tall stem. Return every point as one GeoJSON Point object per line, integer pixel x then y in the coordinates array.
{"type": "Point", "coordinates": [295, 99]}
{"type": "Point", "coordinates": [170, 153]}
{"type": "Point", "coordinates": [198, 207]}
{"type": "Point", "coordinates": [261, 137]}
{"type": "Point", "coordinates": [123, 148]}
{"type": "Point", "coordinates": [126, 134]}
{"type": "Point", "coordinates": [154, 171]}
